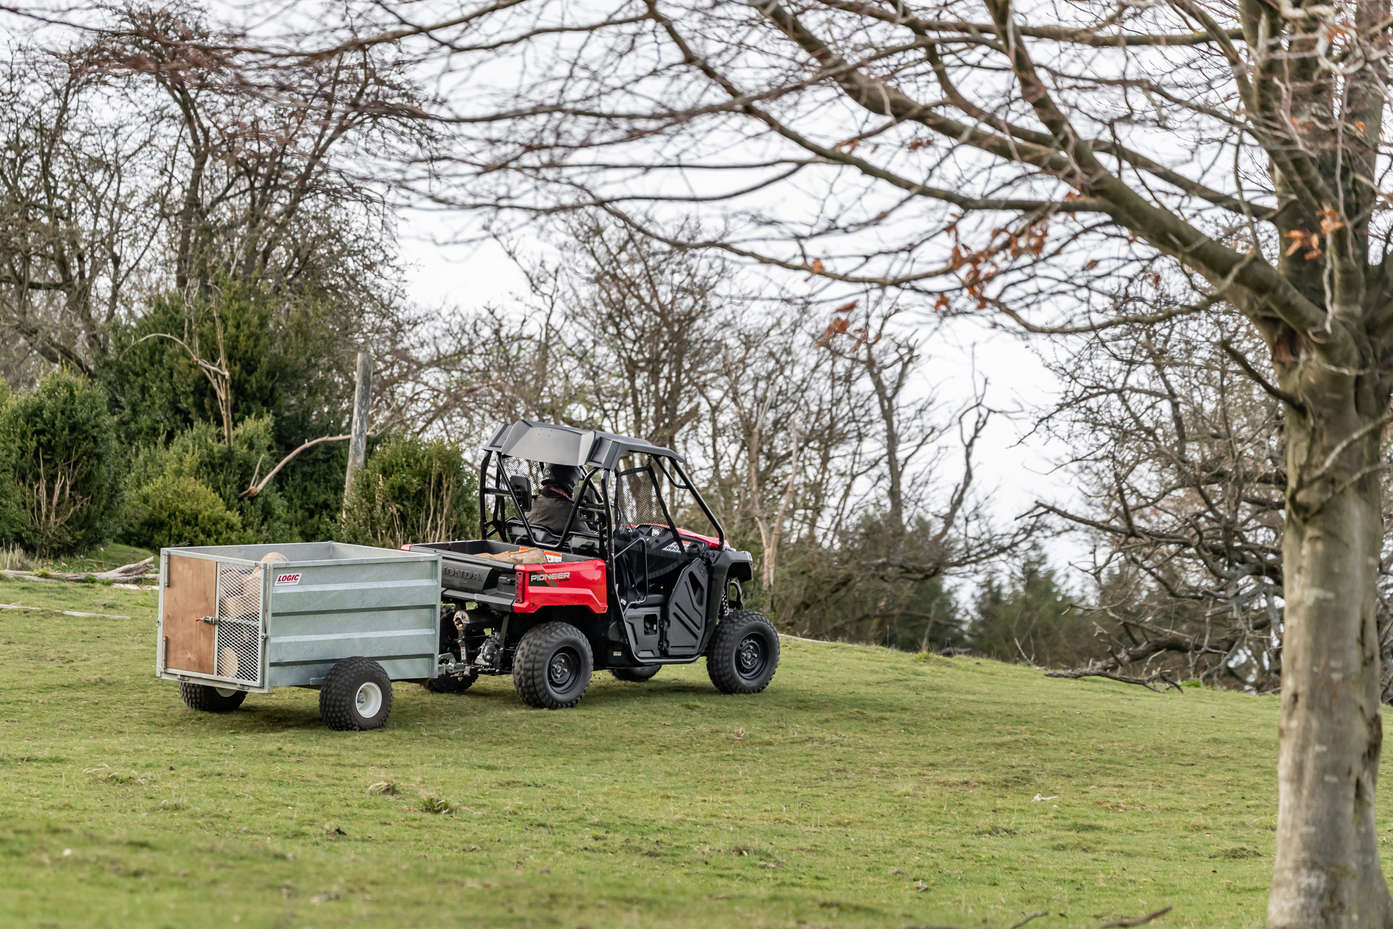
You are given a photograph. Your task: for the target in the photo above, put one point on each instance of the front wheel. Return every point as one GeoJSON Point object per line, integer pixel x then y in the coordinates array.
{"type": "Point", "coordinates": [211, 699]}
{"type": "Point", "coordinates": [356, 694]}
{"type": "Point", "coordinates": [744, 653]}
{"type": "Point", "coordinates": [552, 666]}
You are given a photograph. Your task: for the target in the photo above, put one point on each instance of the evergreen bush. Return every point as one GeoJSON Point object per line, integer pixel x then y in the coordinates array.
{"type": "Point", "coordinates": [63, 457]}
{"type": "Point", "coordinates": [181, 510]}
{"type": "Point", "coordinates": [412, 490]}
{"type": "Point", "coordinates": [198, 455]}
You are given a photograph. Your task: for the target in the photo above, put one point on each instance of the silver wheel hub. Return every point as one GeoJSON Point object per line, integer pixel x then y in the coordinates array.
{"type": "Point", "coordinates": [368, 699]}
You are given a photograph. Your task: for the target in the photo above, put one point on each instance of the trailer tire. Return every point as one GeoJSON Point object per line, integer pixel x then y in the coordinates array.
{"type": "Point", "coordinates": [552, 666]}
{"type": "Point", "coordinates": [356, 695]}
{"type": "Point", "coordinates": [744, 653]}
{"type": "Point", "coordinates": [211, 699]}
{"type": "Point", "coordinates": [450, 684]}
{"type": "Point", "coordinates": [636, 675]}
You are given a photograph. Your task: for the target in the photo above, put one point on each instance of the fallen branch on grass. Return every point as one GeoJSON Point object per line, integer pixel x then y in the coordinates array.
{"type": "Point", "coordinates": [135, 571]}
{"type": "Point", "coordinates": [1123, 923]}
{"type": "Point", "coordinates": [1159, 682]}
{"type": "Point", "coordinates": [44, 609]}
{"type": "Point", "coordinates": [1140, 920]}
{"type": "Point", "coordinates": [129, 572]}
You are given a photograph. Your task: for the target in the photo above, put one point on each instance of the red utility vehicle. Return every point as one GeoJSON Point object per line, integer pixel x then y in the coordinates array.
{"type": "Point", "coordinates": [619, 587]}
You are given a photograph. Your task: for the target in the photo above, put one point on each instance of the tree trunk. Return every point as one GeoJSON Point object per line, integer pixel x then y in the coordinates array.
{"type": "Point", "coordinates": [1327, 870]}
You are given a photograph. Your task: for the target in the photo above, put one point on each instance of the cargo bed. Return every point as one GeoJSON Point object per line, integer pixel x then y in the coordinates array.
{"type": "Point", "coordinates": [229, 618]}
{"type": "Point", "coordinates": [487, 572]}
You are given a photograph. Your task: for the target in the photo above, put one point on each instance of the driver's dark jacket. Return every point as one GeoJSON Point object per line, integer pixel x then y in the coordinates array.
{"type": "Point", "coordinates": [550, 511]}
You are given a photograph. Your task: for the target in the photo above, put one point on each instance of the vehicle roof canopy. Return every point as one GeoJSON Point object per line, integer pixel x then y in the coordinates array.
{"type": "Point", "coordinates": [566, 445]}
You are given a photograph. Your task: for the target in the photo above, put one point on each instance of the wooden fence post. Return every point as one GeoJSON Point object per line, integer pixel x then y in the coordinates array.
{"type": "Point", "coordinates": [358, 443]}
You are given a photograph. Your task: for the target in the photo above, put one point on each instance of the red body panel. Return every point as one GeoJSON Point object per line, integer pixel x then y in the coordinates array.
{"type": "Point", "coordinates": [562, 583]}
{"type": "Point", "coordinates": [698, 537]}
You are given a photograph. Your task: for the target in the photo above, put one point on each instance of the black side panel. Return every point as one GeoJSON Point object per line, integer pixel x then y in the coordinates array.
{"type": "Point", "coordinates": [686, 611]}
{"type": "Point", "coordinates": [641, 623]}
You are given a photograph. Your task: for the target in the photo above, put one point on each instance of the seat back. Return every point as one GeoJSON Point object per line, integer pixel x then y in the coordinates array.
{"type": "Point", "coordinates": [521, 486]}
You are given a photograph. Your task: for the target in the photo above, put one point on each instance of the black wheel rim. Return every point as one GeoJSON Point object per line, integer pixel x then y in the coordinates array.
{"type": "Point", "coordinates": [563, 669]}
{"type": "Point", "coordinates": [751, 657]}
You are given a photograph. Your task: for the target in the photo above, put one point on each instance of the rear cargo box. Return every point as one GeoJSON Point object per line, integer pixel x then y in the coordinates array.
{"type": "Point", "coordinates": [239, 616]}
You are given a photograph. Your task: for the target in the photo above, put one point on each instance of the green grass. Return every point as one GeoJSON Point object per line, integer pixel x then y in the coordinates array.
{"type": "Point", "coordinates": [864, 788]}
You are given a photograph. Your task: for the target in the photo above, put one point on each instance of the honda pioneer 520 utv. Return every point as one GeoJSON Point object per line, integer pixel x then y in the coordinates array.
{"type": "Point", "coordinates": [581, 566]}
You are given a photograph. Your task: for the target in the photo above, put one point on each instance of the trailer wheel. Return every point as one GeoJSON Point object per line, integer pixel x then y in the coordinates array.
{"type": "Point", "coordinates": [211, 699]}
{"type": "Point", "coordinates": [636, 675]}
{"type": "Point", "coordinates": [744, 653]}
{"type": "Point", "coordinates": [552, 666]}
{"type": "Point", "coordinates": [356, 694]}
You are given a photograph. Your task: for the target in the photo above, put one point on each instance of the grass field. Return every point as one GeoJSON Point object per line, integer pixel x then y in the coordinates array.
{"type": "Point", "coordinates": [864, 788]}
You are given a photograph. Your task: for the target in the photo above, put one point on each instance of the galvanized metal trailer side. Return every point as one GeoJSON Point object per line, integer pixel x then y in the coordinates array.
{"type": "Point", "coordinates": [230, 620]}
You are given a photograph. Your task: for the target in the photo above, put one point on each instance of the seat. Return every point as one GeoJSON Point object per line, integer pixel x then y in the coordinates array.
{"type": "Point", "coordinates": [580, 543]}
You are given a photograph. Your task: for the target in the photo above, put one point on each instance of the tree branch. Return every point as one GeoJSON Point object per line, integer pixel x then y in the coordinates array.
{"type": "Point", "coordinates": [260, 485]}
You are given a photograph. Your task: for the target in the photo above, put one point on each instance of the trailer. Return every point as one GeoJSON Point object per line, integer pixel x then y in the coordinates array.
{"type": "Point", "coordinates": [346, 619]}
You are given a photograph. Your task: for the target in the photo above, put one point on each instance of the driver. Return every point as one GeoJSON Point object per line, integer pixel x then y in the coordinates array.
{"type": "Point", "coordinates": [552, 507]}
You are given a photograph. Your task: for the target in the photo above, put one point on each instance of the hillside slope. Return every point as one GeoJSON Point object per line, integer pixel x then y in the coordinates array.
{"type": "Point", "coordinates": [864, 788]}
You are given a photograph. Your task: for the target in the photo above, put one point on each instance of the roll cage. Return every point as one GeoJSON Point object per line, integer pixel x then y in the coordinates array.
{"type": "Point", "coordinates": [515, 457]}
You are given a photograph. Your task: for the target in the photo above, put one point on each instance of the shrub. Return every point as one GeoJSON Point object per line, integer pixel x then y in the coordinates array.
{"type": "Point", "coordinates": [9, 490]}
{"type": "Point", "coordinates": [289, 360]}
{"type": "Point", "coordinates": [62, 443]}
{"type": "Point", "coordinates": [180, 510]}
{"type": "Point", "coordinates": [200, 455]}
{"type": "Point", "coordinates": [311, 490]}
{"type": "Point", "coordinates": [286, 358]}
{"type": "Point", "coordinates": [411, 491]}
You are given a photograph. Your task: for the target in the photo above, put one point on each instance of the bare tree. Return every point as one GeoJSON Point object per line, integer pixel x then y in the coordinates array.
{"type": "Point", "coordinates": [259, 159]}
{"type": "Point", "coordinates": [1176, 445]}
{"type": "Point", "coordinates": [888, 351]}
{"type": "Point", "coordinates": [77, 219]}
{"type": "Point", "coordinates": [652, 318]}
{"type": "Point", "coordinates": [1181, 474]}
{"type": "Point", "coordinates": [1017, 157]}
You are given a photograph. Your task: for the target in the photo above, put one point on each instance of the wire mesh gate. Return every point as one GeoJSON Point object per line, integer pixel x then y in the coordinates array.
{"type": "Point", "coordinates": [239, 622]}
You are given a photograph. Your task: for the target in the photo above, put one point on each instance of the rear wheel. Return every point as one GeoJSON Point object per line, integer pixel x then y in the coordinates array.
{"type": "Point", "coordinates": [744, 653]}
{"type": "Point", "coordinates": [356, 694]}
{"type": "Point", "coordinates": [636, 675]}
{"type": "Point", "coordinates": [552, 666]}
{"type": "Point", "coordinates": [211, 699]}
